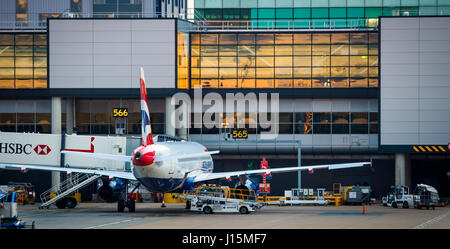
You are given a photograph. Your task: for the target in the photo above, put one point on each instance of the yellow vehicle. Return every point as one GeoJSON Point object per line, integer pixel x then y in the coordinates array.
{"type": "Point", "coordinates": [25, 193]}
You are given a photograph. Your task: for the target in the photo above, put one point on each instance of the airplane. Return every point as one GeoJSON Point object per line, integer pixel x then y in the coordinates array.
{"type": "Point", "coordinates": [165, 167]}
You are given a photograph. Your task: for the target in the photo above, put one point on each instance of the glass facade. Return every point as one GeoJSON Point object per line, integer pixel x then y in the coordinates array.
{"type": "Point", "coordinates": [25, 116]}
{"type": "Point", "coordinates": [315, 13]}
{"type": "Point", "coordinates": [93, 116]}
{"type": "Point", "coordinates": [23, 60]}
{"type": "Point", "coordinates": [284, 60]}
{"type": "Point", "coordinates": [300, 123]}
{"type": "Point", "coordinates": [183, 60]}
{"type": "Point", "coordinates": [117, 8]}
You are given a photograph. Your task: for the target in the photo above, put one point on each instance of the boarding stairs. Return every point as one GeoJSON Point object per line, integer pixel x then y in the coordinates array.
{"type": "Point", "coordinates": [73, 183]}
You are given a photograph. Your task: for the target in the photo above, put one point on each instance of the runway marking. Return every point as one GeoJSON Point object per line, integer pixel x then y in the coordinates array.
{"type": "Point", "coordinates": [114, 223]}
{"type": "Point", "coordinates": [432, 221]}
{"type": "Point", "coordinates": [54, 212]}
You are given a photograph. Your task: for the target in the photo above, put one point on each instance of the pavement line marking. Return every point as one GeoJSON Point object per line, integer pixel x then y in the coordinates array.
{"type": "Point", "coordinates": [432, 221]}
{"type": "Point", "coordinates": [53, 212]}
{"type": "Point", "coordinates": [114, 223]}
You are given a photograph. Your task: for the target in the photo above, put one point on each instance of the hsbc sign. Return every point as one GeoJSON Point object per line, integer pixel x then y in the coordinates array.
{"type": "Point", "coordinates": [42, 149]}
{"type": "Point", "coordinates": [17, 148]}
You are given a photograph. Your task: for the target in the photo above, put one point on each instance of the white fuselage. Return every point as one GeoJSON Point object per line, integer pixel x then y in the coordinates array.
{"type": "Point", "coordinates": [166, 175]}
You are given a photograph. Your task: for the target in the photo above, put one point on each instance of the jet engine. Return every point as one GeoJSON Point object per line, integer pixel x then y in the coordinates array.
{"type": "Point", "coordinates": [110, 190]}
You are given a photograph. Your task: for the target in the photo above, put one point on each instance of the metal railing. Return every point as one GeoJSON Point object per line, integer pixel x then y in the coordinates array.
{"type": "Point", "coordinates": [69, 186]}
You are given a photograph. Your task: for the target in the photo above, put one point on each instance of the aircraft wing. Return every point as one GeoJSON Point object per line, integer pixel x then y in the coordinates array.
{"type": "Point", "coordinates": [125, 158]}
{"type": "Point", "coordinates": [122, 158]}
{"type": "Point", "coordinates": [109, 173]}
{"type": "Point", "coordinates": [213, 176]}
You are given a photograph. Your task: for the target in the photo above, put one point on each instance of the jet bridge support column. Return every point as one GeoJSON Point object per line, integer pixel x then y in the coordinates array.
{"type": "Point", "coordinates": [402, 170]}
{"type": "Point", "coordinates": [56, 129]}
{"type": "Point", "coordinates": [69, 116]}
{"type": "Point", "coordinates": [170, 113]}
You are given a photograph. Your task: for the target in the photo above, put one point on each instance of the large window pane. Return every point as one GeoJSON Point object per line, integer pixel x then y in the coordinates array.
{"type": "Point", "coordinates": [228, 39]}
{"type": "Point", "coordinates": [265, 61]}
{"type": "Point", "coordinates": [227, 61]}
{"type": "Point", "coordinates": [6, 61]}
{"type": "Point", "coordinates": [265, 50]}
{"type": "Point", "coordinates": [284, 13]}
{"type": "Point", "coordinates": [209, 39]}
{"type": "Point", "coordinates": [321, 61]}
{"type": "Point", "coordinates": [6, 39]}
{"type": "Point", "coordinates": [319, 13]}
{"type": "Point", "coordinates": [302, 38]}
{"type": "Point", "coordinates": [24, 39]}
{"type": "Point", "coordinates": [321, 129]}
{"type": "Point", "coordinates": [302, 83]}
{"type": "Point", "coordinates": [302, 61]}
{"type": "Point", "coordinates": [265, 39]}
{"type": "Point", "coordinates": [341, 72]}
{"type": "Point", "coordinates": [320, 49]}
{"type": "Point", "coordinates": [266, 13]}
{"type": "Point", "coordinates": [302, 72]}
{"type": "Point", "coordinates": [318, 38]}
{"type": "Point", "coordinates": [6, 51]}
{"type": "Point", "coordinates": [302, 49]}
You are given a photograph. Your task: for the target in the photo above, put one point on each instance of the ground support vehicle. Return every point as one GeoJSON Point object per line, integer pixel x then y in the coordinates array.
{"type": "Point", "coordinates": [304, 196]}
{"type": "Point", "coordinates": [399, 196]}
{"type": "Point", "coordinates": [428, 197]}
{"type": "Point", "coordinates": [8, 213]}
{"type": "Point", "coordinates": [211, 199]}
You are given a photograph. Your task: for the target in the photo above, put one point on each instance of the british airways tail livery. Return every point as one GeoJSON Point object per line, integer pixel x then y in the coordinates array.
{"type": "Point", "coordinates": [145, 114]}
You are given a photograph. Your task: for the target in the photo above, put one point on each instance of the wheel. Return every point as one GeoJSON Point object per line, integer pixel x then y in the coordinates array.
{"type": "Point", "coordinates": [207, 210]}
{"type": "Point", "coordinates": [131, 206]}
{"type": "Point", "coordinates": [61, 204]}
{"type": "Point", "coordinates": [188, 205]}
{"type": "Point", "coordinates": [394, 204]}
{"type": "Point", "coordinates": [120, 205]}
{"type": "Point", "coordinates": [243, 210]}
{"type": "Point", "coordinates": [405, 204]}
{"type": "Point", "coordinates": [71, 202]}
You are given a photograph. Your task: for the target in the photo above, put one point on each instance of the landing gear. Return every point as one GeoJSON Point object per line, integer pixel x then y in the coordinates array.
{"type": "Point", "coordinates": [128, 203]}
{"type": "Point", "coordinates": [122, 204]}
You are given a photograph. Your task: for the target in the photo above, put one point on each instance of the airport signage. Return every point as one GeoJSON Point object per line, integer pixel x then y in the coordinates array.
{"type": "Point", "coordinates": [239, 134]}
{"type": "Point", "coordinates": [120, 112]}
{"type": "Point", "coordinates": [15, 148]}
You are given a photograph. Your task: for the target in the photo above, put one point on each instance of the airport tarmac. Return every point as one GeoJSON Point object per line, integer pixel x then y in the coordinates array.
{"type": "Point", "coordinates": [174, 216]}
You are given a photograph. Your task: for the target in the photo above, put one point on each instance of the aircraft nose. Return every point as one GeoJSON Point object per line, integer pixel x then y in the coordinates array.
{"type": "Point", "coordinates": [143, 158]}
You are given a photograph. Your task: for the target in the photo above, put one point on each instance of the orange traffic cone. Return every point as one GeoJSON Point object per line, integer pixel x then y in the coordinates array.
{"type": "Point", "coordinates": [364, 208]}
{"type": "Point", "coordinates": [163, 204]}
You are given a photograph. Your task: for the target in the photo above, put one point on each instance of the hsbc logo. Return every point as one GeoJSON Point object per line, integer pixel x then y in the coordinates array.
{"type": "Point", "coordinates": [42, 149]}
{"type": "Point", "coordinates": [16, 148]}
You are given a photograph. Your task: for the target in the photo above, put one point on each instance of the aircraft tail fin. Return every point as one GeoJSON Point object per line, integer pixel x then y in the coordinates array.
{"type": "Point", "coordinates": [145, 114]}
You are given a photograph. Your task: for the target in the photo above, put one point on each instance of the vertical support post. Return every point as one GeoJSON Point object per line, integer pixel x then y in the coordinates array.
{"type": "Point", "coordinates": [56, 129]}
{"type": "Point", "coordinates": [402, 170]}
{"type": "Point", "coordinates": [299, 163]}
{"type": "Point", "coordinates": [69, 116]}
{"type": "Point", "coordinates": [170, 114]}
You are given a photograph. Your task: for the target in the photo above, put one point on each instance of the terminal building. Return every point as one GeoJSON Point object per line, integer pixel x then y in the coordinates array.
{"type": "Point", "coordinates": [356, 80]}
